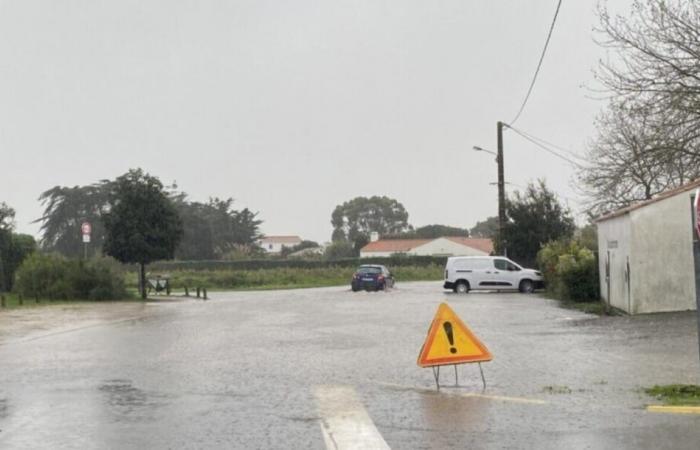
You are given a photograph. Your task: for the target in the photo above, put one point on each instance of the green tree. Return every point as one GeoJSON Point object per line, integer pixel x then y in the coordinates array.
{"type": "Point", "coordinates": [286, 251]}
{"type": "Point", "coordinates": [487, 228]}
{"type": "Point", "coordinates": [429, 232]}
{"type": "Point", "coordinates": [354, 220]}
{"type": "Point", "coordinates": [535, 217]}
{"type": "Point", "coordinates": [339, 249]}
{"type": "Point", "coordinates": [214, 229]}
{"type": "Point", "coordinates": [14, 248]}
{"type": "Point", "coordinates": [142, 224]}
{"type": "Point", "coordinates": [65, 209]}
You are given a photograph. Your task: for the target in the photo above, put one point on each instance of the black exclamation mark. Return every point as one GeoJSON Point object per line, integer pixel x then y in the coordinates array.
{"type": "Point", "coordinates": [448, 330]}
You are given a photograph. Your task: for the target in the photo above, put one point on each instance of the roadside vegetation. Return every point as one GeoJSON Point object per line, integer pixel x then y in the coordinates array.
{"type": "Point", "coordinates": [284, 277]}
{"type": "Point", "coordinates": [676, 394]}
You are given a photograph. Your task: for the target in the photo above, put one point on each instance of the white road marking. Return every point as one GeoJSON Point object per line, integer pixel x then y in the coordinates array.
{"type": "Point", "coordinates": [344, 421]}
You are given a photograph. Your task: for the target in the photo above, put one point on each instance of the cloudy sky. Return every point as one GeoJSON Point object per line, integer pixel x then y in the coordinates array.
{"type": "Point", "coordinates": [292, 107]}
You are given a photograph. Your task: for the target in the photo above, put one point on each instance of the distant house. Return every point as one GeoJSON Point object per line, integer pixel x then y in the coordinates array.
{"type": "Point", "coordinates": [274, 244]}
{"type": "Point", "coordinates": [442, 246]}
{"type": "Point", "coordinates": [645, 254]}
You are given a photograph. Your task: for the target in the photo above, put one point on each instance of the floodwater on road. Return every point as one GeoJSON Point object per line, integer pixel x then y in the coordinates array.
{"type": "Point", "coordinates": [329, 368]}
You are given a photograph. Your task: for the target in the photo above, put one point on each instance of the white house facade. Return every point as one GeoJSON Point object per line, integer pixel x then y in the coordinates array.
{"type": "Point", "coordinates": [646, 255]}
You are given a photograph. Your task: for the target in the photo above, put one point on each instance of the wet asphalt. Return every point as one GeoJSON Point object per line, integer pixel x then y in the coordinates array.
{"type": "Point", "coordinates": [241, 371]}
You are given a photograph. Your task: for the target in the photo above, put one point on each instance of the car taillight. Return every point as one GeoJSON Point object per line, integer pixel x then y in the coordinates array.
{"type": "Point", "coordinates": [380, 278]}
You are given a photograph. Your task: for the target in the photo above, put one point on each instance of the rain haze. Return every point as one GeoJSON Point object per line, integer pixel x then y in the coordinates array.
{"type": "Point", "coordinates": [292, 108]}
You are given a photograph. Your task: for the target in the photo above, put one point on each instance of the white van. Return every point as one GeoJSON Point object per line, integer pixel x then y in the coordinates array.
{"type": "Point", "coordinates": [464, 273]}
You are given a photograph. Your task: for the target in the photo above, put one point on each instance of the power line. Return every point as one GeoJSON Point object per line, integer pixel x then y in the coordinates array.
{"type": "Point", "coordinates": [560, 148]}
{"type": "Point", "coordinates": [545, 148]}
{"type": "Point", "coordinates": [539, 64]}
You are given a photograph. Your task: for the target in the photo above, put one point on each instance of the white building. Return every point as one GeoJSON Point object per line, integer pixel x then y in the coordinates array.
{"type": "Point", "coordinates": [274, 244]}
{"type": "Point", "coordinates": [443, 246]}
{"type": "Point", "coordinates": [646, 254]}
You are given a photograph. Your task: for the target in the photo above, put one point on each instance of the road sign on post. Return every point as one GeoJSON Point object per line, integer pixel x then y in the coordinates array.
{"type": "Point", "coordinates": [86, 229]}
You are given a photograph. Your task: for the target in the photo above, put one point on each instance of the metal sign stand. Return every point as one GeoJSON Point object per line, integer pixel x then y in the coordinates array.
{"type": "Point", "coordinates": [436, 375]}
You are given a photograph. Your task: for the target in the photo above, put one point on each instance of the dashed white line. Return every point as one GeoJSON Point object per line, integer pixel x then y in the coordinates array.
{"type": "Point", "coordinates": [344, 421]}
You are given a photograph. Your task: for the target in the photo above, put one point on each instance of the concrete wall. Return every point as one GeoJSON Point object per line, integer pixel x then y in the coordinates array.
{"type": "Point", "coordinates": [446, 247]}
{"type": "Point", "coordinates": [614, 236]}
{"type": "Point", "coordinates": [377, 254]}
{"type": "Point", "coordinates": [662, 271]}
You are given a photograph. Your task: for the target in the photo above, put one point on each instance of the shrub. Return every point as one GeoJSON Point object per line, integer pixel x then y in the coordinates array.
{"type": "Point", "coordinates": [53, 277]}
{"type": "Point", "coordinates": [570, 271]}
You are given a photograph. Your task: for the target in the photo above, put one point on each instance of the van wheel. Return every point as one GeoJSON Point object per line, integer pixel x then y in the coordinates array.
{"type": "Point", "coordinates": [462, 287]}
{"type": "Point", "coordinates": [527, 287]}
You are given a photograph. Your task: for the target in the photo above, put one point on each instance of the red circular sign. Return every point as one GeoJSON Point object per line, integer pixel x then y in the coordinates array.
{"type": "Point", "coordinates": [86, 228]}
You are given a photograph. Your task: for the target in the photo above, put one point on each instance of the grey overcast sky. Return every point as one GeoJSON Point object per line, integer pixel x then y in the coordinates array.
{"type": "Point", "coordinates": [292, 107]}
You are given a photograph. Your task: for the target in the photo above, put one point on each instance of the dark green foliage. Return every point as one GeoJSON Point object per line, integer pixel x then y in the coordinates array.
{"type": "Point", "coordinates": [142, 224]}
{"type": "Point", "coordinates": [570, 271]}
{"type": "Point", "coordinates": [429, 232]}
{"type": "Point", "coordinates": [214, 229]}
{"type": "Point", "coordinates": [340, 249]}
{"type": "Point", "coordinates": [66, 208]}
{"type": "Point", "coordinates": [535, 217]}
{"type": "Point", "coordinates": [286, 251]}
{"type": "Point", "coordinates": [485, 229]}
{"type": "Point", "coordinates": [391, 262]}
{"type": "Point", "coordinates": [354, 220]}
{"type": "Point", "coordinates": [13, 248]}
{"type": "Point", "coordinates": [52, 277]}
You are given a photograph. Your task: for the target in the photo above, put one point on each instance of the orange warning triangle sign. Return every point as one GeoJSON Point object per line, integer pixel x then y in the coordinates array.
{"type": "Point", "coordinates": [449, 341]}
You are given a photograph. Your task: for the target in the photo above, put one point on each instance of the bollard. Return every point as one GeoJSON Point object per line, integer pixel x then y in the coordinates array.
{"type": "Point", "coordinates": [205, 293]}
{"type": "Point", "coordinates": [197, 291]}
{"type": "Point", "coordinates": [21, 299]}
{"type": "Point", "coordinates": [2, 301]}
{"type": "Point", "coordinates": [187, 292]}
{"type": "Point", "coordinates": [167, 287]}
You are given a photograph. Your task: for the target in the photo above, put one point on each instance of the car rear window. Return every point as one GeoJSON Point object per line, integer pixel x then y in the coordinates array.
{"type": "Point", "coordinates": [369, 270]}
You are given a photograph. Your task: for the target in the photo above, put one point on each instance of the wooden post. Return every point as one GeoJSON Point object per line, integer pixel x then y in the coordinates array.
{"type": "Point", "coordinates": [205, 293]}
{"type": "Point", "coordinates": [187, 292]}
{"type": "Point", "coordinates": [197, 291]}
{"type": "Point", "coordinates": [21, 300]}
{"type": "Point", "coordinates": [2, 301]}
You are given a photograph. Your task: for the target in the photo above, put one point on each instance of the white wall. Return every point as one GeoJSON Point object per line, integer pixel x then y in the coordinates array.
{"type": "Point", "coordinates": [614, 246]}
{"type": "Point", "coordinates": [446, 247]}
{"type": "Point", "coordinates": [662, 270]}
{"type": "Point", "coordinates": [378, 254]}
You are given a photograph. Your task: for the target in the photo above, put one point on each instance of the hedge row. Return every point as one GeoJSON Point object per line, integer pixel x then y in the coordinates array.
{"type": "Point", "coordinates": [391, 262]}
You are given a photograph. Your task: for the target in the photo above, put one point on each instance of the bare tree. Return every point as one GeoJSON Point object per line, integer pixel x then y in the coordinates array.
{"type": "Point", "coordinates": [633, 158]}
{"type": "Point", "coordinates": [649, 137]}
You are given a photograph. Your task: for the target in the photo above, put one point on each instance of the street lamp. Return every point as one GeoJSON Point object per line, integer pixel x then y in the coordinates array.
{"type": "Point", "coordinates": [480, 149]}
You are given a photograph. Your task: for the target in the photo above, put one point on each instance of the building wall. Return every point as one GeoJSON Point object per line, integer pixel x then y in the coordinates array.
{"type": "Point", "coordinates": [377, 254]}
{"type": "Point", "coordinates": [662, 270]}
{"type": "Point", "coordinates": [274, 247]}
{"type": "Point", "coordinates": [446, 247]}
{"type": "Point", "coordinates": [614, 237]}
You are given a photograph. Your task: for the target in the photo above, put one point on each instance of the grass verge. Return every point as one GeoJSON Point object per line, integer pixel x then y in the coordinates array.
{"type": "Point", "coordinates": [676, 394]}
{"type": "Point", "coordinates": [282, 278]}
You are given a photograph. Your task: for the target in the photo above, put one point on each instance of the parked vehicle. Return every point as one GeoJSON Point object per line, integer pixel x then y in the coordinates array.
{"type": "Point", "coordinates": [464, 273]}
{"type": "Point", "coordinates": [372, 277]}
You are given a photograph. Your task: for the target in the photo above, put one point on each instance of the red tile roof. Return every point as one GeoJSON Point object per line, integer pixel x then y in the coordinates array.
{"type": "Point", "coordinates": [483, 244]}
{"type": "Point", "coordinates": [664, 195]}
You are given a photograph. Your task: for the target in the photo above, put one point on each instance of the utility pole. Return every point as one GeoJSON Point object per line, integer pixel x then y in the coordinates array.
{"type": "Point", "coordinates": [501, 190]}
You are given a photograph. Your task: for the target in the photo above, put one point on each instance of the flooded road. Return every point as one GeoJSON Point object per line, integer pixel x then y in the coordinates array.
{"type": "Point", "coordinates": [327, 368]}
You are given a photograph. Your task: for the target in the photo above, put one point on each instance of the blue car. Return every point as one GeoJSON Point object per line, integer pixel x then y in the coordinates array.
{"type": "Point", "coordinates": [372, 277]}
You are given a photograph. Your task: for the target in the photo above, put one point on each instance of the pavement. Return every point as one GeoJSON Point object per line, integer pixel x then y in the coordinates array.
{"type": "Point", "coordinates": [329, 368]}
